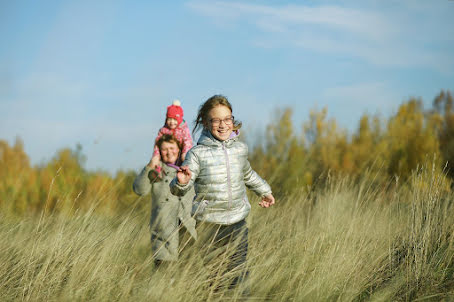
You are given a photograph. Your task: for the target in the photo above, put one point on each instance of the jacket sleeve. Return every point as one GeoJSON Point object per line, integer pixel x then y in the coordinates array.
{"type": "Point", "coordinates": [187, 139]}
{"type": "Point", "coordinates": [142, 184]}
{"type": "Point", "coordinates": [193, 163]}
{"type": "Point", "coordinates": [254, 182]}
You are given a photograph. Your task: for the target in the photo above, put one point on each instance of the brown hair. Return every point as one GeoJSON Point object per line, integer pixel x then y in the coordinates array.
{"type": "Point", "coordinates": [168, 138]}
{"type": "Point", "coordinates": [202, 116]}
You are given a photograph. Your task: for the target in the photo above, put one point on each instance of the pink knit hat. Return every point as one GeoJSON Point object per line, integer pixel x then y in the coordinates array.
{"type": "Point", "coordinates": [175, 111]}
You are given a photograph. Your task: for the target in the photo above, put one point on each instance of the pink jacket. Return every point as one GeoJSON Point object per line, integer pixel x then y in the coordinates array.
{"type": "Point", "coordinates": [181, 133]}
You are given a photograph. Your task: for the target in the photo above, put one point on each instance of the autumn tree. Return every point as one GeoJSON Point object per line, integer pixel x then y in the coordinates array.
{"type": "Point", "coordinates": [280, 158]}
{"type": "Point", "coordinates": [444, 114]}
{"type": "Point", "coordinates": [411, 139]}
{"type": "Point", "coordinates": [327, 144]}
{"type": "Point", "coordinates": [17, 178]}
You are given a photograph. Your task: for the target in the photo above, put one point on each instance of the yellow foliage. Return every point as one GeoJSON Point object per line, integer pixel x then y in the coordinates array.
{"type": "Point", "coordinates": [290, 161]}
{"type": "Point", "coordinates": [410, 139]}
{"type": "Point", "coordinates": [60, 185]}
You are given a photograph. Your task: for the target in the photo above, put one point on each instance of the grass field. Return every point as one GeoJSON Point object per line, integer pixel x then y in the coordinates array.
{"type": "Point", "coordinates": [346, 241]}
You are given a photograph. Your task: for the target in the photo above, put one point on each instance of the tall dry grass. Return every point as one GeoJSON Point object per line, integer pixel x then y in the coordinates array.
{"type": "Point", "coordinates": [347, 240]}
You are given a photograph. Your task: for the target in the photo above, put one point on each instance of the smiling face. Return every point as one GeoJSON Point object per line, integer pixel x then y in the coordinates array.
{"type": "Point", "coordinates": [171, 123]}
{"type": "Point", "coordinates": [218, 122]}
{"type": "Point", "coordinates": [169, 152]}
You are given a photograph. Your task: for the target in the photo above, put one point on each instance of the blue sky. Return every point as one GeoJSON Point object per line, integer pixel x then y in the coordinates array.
{"type": "Point", "coordinates": [102, 73]}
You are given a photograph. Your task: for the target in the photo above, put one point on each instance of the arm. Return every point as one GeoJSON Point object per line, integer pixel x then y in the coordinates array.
{"type": "Point", "coordinates": [254, 182]}
{"type": "Point", "coordinates": [188, 174]}
{"type": "Point", "coordinates": [142, 184]}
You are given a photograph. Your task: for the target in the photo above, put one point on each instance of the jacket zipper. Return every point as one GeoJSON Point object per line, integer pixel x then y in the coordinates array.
{"type": "Point", "coordinates": [229, 187]}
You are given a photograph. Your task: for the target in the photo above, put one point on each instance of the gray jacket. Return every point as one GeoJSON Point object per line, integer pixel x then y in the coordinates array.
{"type": "Point", "coordinates": [166, 212]}
{"type": "Point", "coordinates": [220, 174]}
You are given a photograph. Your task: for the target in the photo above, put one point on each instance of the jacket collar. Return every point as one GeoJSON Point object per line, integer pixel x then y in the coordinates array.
{"type": "Point", "coordinates": [207, 139]}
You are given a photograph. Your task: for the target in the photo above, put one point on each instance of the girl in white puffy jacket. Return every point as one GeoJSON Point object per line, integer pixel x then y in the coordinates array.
{"type": "Point", "coordinates": [219, 170]}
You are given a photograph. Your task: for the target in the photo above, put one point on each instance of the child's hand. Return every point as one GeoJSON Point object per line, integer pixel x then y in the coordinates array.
{"type": "Point", "coordinates": [267, 201]}
{"type": "Point", "coordinates": [184, 175]}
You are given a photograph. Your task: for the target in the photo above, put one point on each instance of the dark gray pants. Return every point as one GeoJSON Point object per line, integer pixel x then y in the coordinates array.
{"type": "Point", "coordinates": [225, 250]}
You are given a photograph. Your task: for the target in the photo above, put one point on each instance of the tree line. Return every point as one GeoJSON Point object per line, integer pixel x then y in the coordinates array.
{"type": "Point", "coordinates": [387, 151]}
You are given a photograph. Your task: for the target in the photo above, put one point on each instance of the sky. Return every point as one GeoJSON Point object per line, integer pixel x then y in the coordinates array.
{"type": "Point", "coordinates": [101, 73]}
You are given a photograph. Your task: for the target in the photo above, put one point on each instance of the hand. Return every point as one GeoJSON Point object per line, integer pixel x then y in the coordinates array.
{"type": "Point", "coordinates": [154, 162]}
{"type": "Point", "coordinates": [184, 175]}
{"type": "Point", "coordinates": [267, 201]}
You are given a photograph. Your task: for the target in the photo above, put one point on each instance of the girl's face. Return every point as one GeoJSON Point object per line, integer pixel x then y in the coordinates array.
{"type": "Point", "coordinates": [169, 152]}
{"type": "Point", "coordinates": [220, 122]}
{"type": "Point", "coordinates": [171, 123]}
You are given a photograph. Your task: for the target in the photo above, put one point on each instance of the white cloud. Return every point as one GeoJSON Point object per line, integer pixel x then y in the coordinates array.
{"type": "Point", "coordinates": [336, 18]}
{"type": "Point", "coordinates": [376, 36]}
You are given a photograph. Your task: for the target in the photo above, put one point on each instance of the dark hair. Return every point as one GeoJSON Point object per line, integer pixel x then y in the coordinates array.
{"type": "Point", "coordinates": [168, 138]}
{"type": "Point", "coordinates": [212, 102]}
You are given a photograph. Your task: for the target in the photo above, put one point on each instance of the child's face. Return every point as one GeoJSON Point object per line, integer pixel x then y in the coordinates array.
{"type": "Point", "coordinates": [171, 123]}
{"type": "Point", "coordinates": [220, 122]}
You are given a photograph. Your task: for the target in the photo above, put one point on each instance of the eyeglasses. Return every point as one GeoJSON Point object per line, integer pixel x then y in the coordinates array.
{"type": "Point", "coordinates": [228, 121]}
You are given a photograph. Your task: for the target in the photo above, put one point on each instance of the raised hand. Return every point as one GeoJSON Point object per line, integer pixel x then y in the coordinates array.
{"type": "Point", "coordinates": [154, 162]}
{"type": "Point", "coordinates": [184, 175]}
{"type": "Point", "coordinates": [267, 201]}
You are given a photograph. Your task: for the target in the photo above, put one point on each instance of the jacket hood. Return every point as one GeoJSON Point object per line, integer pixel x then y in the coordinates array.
{"type": "Point", "coordinates": [207, 139]}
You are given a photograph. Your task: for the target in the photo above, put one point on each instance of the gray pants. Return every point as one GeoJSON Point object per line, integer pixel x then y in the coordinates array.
{"type": "Point", "coordinates": [225, 250]}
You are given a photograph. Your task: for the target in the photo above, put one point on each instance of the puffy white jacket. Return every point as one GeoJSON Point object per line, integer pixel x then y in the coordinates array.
{"type": "Point", "coordinates": [220, 174]}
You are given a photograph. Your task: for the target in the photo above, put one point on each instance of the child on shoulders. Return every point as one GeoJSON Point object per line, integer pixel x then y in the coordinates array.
{"type": "Point", "coordinates": [176, 126]}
